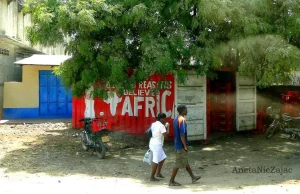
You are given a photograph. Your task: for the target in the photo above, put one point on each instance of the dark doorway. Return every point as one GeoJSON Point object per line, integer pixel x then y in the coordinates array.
{"type": "Point", "coordinates": [222, 102]}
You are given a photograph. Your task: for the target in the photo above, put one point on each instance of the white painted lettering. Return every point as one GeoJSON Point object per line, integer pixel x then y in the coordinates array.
{"type": "Point", "coordinates": [150, 103]}
{"type": "Point", "coordinates": [170, 85]}
{"type": "Point", "coordinates": [147, 92]}
{"type": "Point", "coordinates": [141, 92]}
{"type": "Point", "coordinates": [141, 85]}
{"type": "Point", "coordinates": [157, 104]}
{"type": "Point", "coordinates": [144, 84]}
{"type": "Point", "coordinates": [149, 85]}
{"type": "Point", "coordinates": [153, 84]}
{"type": "Point", "coordinates": [127, 107]}
{"type": "Point", "coordinates": [137, 107]}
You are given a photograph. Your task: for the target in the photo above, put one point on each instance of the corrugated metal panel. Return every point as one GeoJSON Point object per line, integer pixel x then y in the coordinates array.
{"type": "Point", "coordinates": [53, 97]}
{"type": "Point", "coordinates": [246, 103]}
{"type": "Point", "coordinates": [134, 111]}
{"type": "Point", "coordinates": [193, 95]}
{"type": "Point", "coordinates": [77, 112]}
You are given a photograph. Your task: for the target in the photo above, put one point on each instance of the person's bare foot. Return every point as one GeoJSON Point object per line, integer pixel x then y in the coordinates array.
{"type": "Point", "coordinates": [195, 179]}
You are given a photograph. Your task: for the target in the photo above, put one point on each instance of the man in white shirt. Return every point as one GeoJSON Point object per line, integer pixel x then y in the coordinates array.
{"type": "Point", "coordinates": [160, 129]}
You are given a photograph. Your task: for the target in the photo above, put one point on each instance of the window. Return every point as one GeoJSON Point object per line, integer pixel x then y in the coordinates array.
{"type": "Point", "coordinates": [4, 52]}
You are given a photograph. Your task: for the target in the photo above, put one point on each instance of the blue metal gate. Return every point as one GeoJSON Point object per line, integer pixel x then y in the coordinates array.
{"type": "Point", "coordinates": [54, 100]}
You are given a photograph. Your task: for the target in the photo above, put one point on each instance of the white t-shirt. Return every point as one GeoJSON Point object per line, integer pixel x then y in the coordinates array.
{"type": "Point", "coordinates": [157, 129]}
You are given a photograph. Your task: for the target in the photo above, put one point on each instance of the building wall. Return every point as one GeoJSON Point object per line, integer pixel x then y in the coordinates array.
{"type": "Point", "coordinates": [8, 71]}
{"type": "Point", "coordinates": [28, 89]}
{"type": "Point", "coordinates": [13, 23]}
{"type": "Point", "coordinates": [3, 16]}
{"type": "Point", "coordinates": [21, 99]}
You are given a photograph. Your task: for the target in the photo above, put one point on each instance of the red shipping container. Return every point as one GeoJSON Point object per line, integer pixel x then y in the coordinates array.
{"type": "Point", "coordinates": [219, 91]}
{"type": "Point", "coordinates": [218, 123]}
{"type": "Point", "coordinates": [287, 108]}
{"type": "Point", "coordinates": [222, 115]}
{"type": "Point", "coordinates": [78, 107]}
{"type": "Point", "coordinates": [226, 87]}
{"type": "Point", "coordinates": [226, 96]}
{"type": "Point", "coordinates": [225, 122]}
{"type": "Point", "coordinates": [286, 99]}
{"type": "Point", "coordinates": [225, 102]}
{"type": "Point", "coordinates": [260, 126]}
{"type": "Point", "coordinates": [220, 128]}
{"type": "Point", "coordinates": [135, 110]}
{"type": "Point", "coordinates": [292, 93]}
{"type": "Point", "coordinates": [298, 95]}
{"type": "Point", "coordinates": [222, 108]}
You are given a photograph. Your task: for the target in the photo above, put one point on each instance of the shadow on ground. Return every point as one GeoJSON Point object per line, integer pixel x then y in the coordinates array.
{"type": "Point", "coordinates": [57, 152]}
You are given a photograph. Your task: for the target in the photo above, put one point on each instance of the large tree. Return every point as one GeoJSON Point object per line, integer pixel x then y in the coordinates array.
{"type": "Point", "coordinates": [124, 41]}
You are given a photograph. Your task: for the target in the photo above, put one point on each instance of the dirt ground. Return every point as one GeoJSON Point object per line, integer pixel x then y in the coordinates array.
{"type": "Point", "coordinates": [48, 158]}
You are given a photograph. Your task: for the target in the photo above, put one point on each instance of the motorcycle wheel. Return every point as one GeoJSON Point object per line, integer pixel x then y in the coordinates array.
{"type": "Point", "coordinates": [270, 132]}
{"type": "Point", "coordinates": [101, 150]}
{"type": "Point", "coordinates": [83, 143]}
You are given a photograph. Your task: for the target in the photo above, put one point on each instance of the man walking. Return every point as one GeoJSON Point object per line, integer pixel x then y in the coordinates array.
{"type": "Point", "coordinates": [180, 143]}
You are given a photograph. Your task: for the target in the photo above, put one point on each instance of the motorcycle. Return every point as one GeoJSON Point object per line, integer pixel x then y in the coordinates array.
{"type": "Point", "coordinates": [282, 122]}
{"type": "Point", "coordinates": [95, 135]}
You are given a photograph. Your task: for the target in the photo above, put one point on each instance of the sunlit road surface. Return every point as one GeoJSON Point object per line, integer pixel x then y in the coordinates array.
{"type": "Point", "coordinates": [82, 184]}
{"type": "Point", "coordinates": [47, 158]}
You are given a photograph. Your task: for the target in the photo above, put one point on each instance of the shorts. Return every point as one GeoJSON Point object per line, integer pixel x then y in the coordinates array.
{"type": "Point", "coordinates": [181, 159]}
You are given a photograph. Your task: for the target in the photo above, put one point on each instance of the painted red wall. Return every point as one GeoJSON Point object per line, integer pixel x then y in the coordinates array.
{"type": "Point", "coordinates": [134, 111]}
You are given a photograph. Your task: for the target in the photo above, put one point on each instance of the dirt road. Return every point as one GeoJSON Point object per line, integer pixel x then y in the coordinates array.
{"type": "Point", "coordinates": [48, 158]}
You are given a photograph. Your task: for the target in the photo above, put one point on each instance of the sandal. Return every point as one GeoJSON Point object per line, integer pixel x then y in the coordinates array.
{"type": "Point", "coordinates": [195, 179]}
{"type": "Point", "coordinates": [160, 176]}
{"type": "Point", "coordinates": [174, 184]}
{"type": "Point", "coordinates": [154, 179]}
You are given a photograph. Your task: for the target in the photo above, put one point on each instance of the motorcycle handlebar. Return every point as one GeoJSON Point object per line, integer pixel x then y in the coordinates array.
{"type": "Point", "coordinates": [85, 119]}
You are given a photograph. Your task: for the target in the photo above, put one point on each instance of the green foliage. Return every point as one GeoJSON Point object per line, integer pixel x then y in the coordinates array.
{"type": "Point", "coordinates": [270, 58]}
{"type": "Point", "coordinates": [109, 38]}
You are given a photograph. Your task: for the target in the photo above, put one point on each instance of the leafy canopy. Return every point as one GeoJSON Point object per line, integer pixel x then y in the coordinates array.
{"type": "Point", "coordinates": [124, 41]}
